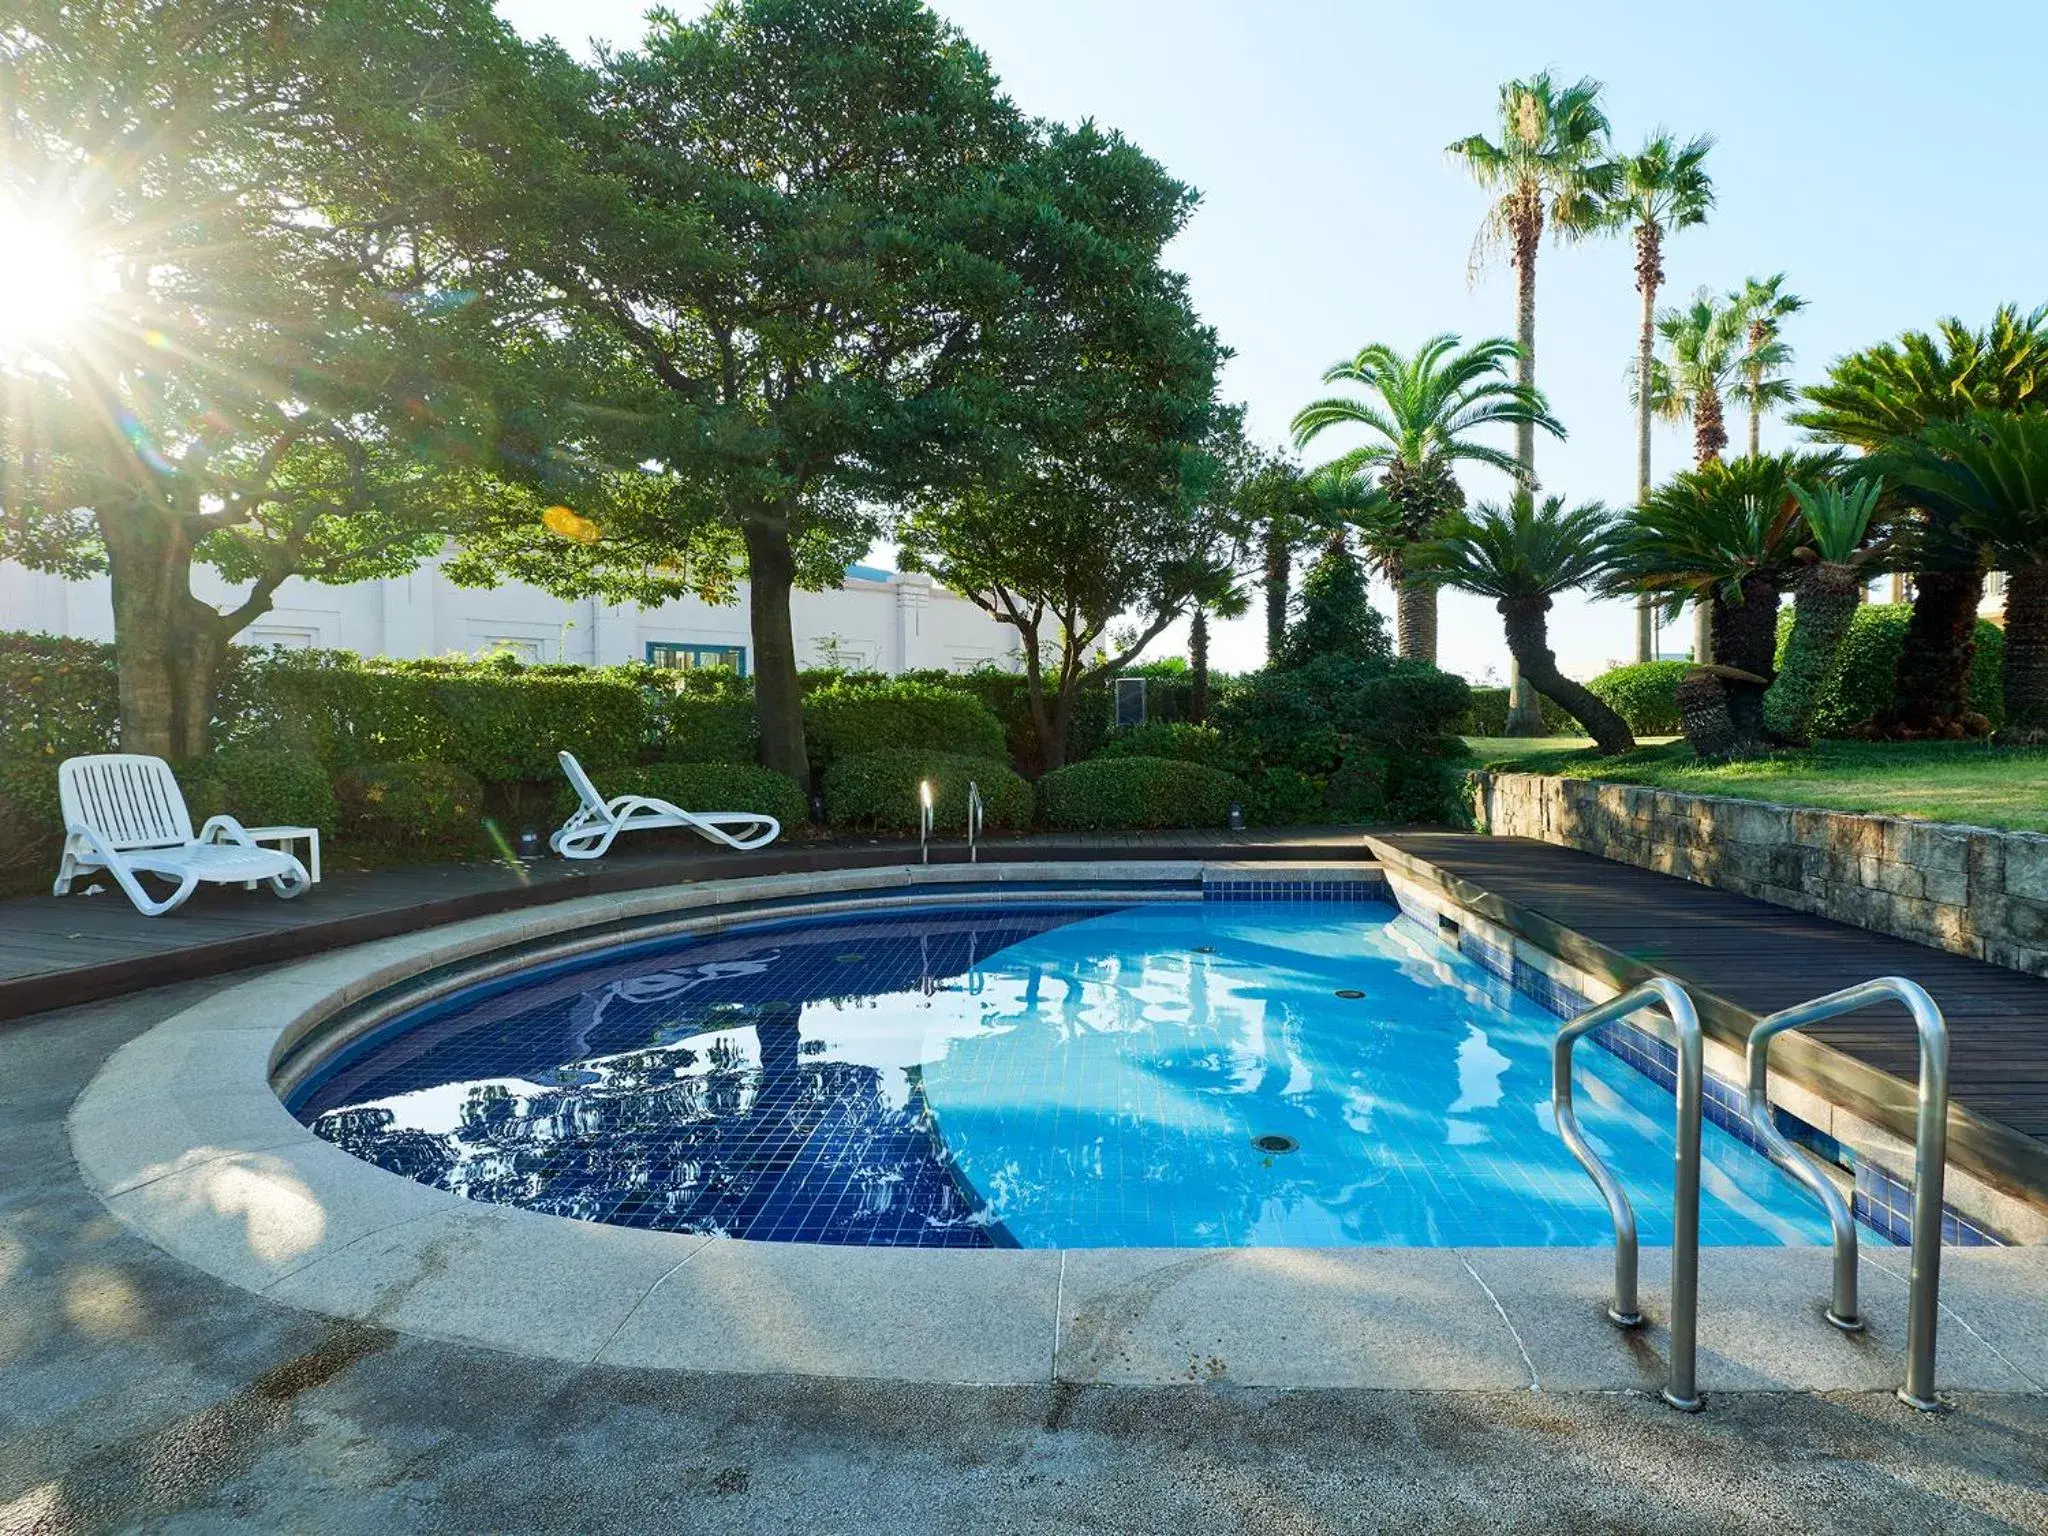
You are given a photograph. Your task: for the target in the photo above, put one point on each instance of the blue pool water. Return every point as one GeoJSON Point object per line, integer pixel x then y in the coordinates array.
{"type": "Point", "coordinates": [1043, 1077]}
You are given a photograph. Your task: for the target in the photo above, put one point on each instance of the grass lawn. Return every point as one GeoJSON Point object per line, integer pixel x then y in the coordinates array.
{"type": "Point", "coordinates": [1935, 780]}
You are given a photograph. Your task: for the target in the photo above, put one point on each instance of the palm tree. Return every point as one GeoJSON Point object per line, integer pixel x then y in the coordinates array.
{"type": "Point", "coordinates": [1760, 382]}
{"type": "Point", "coordinates": [1278, 505]}
{"type": "Point", "coordinates": [1892, 391]}
{"type": "Point", "coordinates": [1825, 595]}
{"type": "Point", "coordinates": [1989, 472]}
{"type": "Point", "coordinates": [1659, 190]}
{"type": "Point", "coordinates": [1724, 536]}
{"type": "Point", "coordinates": [1691, 382]}
{"type": "Point", "coordinates": [1549, 167]}
{"type": "Point", "coordinates": [1522, 557]}
{"type": "Point", "coordinates": [1429, 410]}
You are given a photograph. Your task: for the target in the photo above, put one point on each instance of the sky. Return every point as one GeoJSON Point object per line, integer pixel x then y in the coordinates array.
{"type": "Point", "coordinates": [1884, 154]}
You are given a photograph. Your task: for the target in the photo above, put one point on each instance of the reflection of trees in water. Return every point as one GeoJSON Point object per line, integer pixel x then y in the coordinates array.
{"type": "Point", "coordinates": [712, 1138]}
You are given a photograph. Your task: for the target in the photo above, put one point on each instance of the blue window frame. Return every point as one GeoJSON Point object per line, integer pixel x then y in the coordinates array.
{"type": "Point", "coordinates": [687, 658]}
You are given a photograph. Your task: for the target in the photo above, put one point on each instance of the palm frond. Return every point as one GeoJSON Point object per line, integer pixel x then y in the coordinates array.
{"type": "Point", "coordinates": [1527, 549]}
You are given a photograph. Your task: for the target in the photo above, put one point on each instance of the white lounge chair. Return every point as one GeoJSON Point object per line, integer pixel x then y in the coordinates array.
{"type": "Point", "coordinates": [126, 815]}
{"type": "Point", "coordinates": [588, 834]}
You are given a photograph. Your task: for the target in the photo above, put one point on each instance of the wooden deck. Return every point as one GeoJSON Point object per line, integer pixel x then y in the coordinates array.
{"type": "Point", "coordinates": [59, 952]}
{"type": "Point", "coordinates": [1760, 958]}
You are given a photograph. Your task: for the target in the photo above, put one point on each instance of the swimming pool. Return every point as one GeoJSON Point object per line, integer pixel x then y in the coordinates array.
{"type": "Point", "coordinates": [1167, 1074]}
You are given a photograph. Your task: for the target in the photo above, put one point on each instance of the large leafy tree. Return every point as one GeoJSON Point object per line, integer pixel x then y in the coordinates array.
{"type": "Point", "coordinates": [1522, 556]}
{"type": "Point", "coordinates": [1658, 191]}
{"type": "Point", "coordinates": [1989, 473]}
{"type": "Point", "coordinates": [266, 361]}
{"type": "Point", "coordinates": [808, 262]}
{"type": "Point", "coordinates": [1892, 391]}
{"type": "Point", "coordinates": [1761, 384]}
{"type": "Point", "coordinates": [1425, 413]}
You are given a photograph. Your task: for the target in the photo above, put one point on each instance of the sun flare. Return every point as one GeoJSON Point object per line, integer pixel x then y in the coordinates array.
{"type": "Point", "coordinates": [45, 283]}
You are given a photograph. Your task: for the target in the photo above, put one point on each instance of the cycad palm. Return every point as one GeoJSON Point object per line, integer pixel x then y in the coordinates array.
{"type": "Point", "coordinates": [1760, 383]}
{"type": "Point", "coordinates": [1425, 416]}
{"type": "Point", "coordinates": [1522, 557]}
{"type": "Point", "coordinates": [1838, 520]}
{"type": "Point", "coordinates": [1658, 191]}
{"type": "Point", "coordinates": [1548, 167]}
{"type": "Point", "coordinates": [1990, 473]}
{"type": "Point", "coordinates": [1691, 381]}
{"type": "Point", "coordinates": [1893, 391]}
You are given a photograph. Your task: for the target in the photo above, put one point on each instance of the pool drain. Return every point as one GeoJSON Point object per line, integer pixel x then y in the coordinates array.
{"type": "Point", "coordinates": [1205, 949]}
{"type": "Point", "coordinates": [1349, 992]}
{"type": "Point", "coordinates": [1271, 1143]}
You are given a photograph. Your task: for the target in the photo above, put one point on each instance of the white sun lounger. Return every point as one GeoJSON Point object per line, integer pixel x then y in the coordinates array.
{"type": "Point", "coordinates": [588, 834]}
{"type": "Point", "coordinates": [126, 815]}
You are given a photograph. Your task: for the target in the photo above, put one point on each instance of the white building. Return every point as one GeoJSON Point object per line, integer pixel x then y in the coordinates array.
{"type": "Point", "coordinates": [877, 620]}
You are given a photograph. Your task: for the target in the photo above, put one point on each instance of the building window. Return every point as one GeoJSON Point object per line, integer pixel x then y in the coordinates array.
{"type": "Point", "coordinates": [688, 658]}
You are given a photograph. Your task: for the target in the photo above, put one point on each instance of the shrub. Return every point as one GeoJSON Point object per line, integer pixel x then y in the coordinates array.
{"type": "Point", "coordinates": [857, 719]}
{"type": "Point", "coordinates": [1860, 683]}
{"type": "Point", "coordinates": [879, 789]}
{"type": "Point", "coordinates": [697, 786]}
{"type": "Point", "coordinates": [1487, 715]}
{"type": "Point", "coordinates": [31, 822]}
{"type": "Point", "coordinates": [260, 787]}
{"type": "Point", "coordinates": [1110, 793]}
{"type": "Point", "coordinates": [1008, 696]}
{"type": "Point", "coordinates": [58, 698]}
{"type": "Point", "coordinates": [1185, 743]}
{"type": "Point", "coordinates": [410, 804]}
{"type": "Point", "coordinates": [1644, 694]}
{"type": "Point", "coordinates": [709, 728]}
{"type": "Point", "coordinates": [1279, 797]}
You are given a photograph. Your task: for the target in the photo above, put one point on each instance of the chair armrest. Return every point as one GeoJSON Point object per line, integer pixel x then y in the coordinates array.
{"type": "Point", "coordinates": [215, 825]}
{"type": "Point", "coordinates": [89, 837]}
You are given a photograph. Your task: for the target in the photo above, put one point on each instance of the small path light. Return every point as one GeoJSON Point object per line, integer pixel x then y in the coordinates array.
{"type": "Point", "coordinates": [1236, 817]}
{"type": "Point", "coordinates": [924, 820]}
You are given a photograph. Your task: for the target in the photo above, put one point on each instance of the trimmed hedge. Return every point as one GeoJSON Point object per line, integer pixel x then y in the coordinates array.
{"type": "Point", "coordinates": [1113, 793]}
{"type": "Point", "coordinates": [1185, 743]}
{"type": "Point", "coordinates": [709, 728]}
{"type": "Point", "coordinates": [31, 823]}
{"type": "Point", "coordinates": [1487, 715]}
{"type": "Point", "coordinates": [1861, 681]}
{"type": "Point", "coordinates": [701, 787]}
{"type": "Point", "coordinates": [1644, 694]}
{"type": "Point", "coordinates": [410, 804]}
{"type": "Point", "coordinates": [857, 719]}
{"type": "Point", "coordinates": [260, 787]}
{"type": "Point", "coordinates": [58, 698]}
{"type": "Point", "coordinates": [879, 789]}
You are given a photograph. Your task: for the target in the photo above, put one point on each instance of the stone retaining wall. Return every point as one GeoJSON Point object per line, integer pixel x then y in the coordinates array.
{"type": "Point", "coordinates": [1970, 890]}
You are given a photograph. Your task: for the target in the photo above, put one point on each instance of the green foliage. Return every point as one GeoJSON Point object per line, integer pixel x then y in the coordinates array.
{"type": "Point", "coordinates": [58, 698]}
{"type": "Point", "coordinates": [1487, 715]}
{"type": "Point", "coordinates": [1112, 793]}
{"type": "Point", "coordinates": [1860, 684]}
{"type": "Point", "coordinates": [709, 728]}
{"type": "Point", "coordinates": [855, 719]}
{"type": "Point", "coordinates": [1179, 740]}
{"type": "Point", "coordinates": [880, 790]}
{"type": "Point", "coordinates": [31, 822]}
{"type": "Point", "coordinates": [702, 786]}
{"type": "Point", "coordinates": [1008, 696]}
{"type": "Point", "coordinates": [1336, 619]}
{"type": "Point", "coordinates": [260, 787]}
{"type": "Point", "coordinates": [410, 804]}
{"type": "Point", "coordinates": [1644, 694]}
{"type": "Point", "coordinates": [1526, 549]}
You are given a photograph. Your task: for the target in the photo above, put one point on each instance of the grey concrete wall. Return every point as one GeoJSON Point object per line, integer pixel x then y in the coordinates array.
{"type": "Point", "coordinates": [1970, 890]}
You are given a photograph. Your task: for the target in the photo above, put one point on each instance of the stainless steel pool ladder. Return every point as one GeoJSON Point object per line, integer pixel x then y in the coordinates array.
{"type": "Point", "coordinates": [1680, 1390]}
{"type": "Point", "coordinates": [974, 812]}
{"type": "Point", "coordinates": [1930, 1156]}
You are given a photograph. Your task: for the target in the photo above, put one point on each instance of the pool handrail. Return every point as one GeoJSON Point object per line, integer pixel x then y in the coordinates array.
{"type": "Point", "coordinates": [1930, 1156]}
{"type": "Point", "coordinates": [1681, 1389]}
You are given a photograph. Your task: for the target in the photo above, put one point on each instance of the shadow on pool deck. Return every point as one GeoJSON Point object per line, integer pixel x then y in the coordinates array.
{"type": "Point", "coordinates": [138, 1393]}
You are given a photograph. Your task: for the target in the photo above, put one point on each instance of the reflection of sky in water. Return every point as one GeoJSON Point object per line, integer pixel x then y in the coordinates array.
{"type": "Point", "coordinates": [1050, 1078]}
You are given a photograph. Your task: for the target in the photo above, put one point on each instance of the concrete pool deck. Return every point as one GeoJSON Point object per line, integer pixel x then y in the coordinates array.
{"type": "Point", "coordinates": [183, 1136]}
{"type": "Point", "coordinates": [140, 1393]}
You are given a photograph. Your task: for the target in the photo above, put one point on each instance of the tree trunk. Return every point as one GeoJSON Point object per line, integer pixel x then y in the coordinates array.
{"type": "Point", "coordinates": [2025, 676]}
{"type": "Point", "coordinates": [1198, 665]}
{"type": "Point", "coordinates": [1709, 428]}
{"type": "Point", "coordinates": [1529, 642]}
{"type": "Point", "coordinates": [1702, 633]}
{"type": "Point", "coordinates": [1525, 713]}
{"type": "Point", "coordinates": [1823, 604]}
{"type": "Point", "coordinates": [1279, 579]}
{"type": "Point", "coordinates": [167, 644]}
{"type": "Point", "coordinates": [778, 697]}
{"type": "Point", "coordinates": [1649, 275]}
{"type": "Point", "coordinates": [1930, 688]}
{"type": "Point", "coordinates": [1756, 418]}
{"type": "Point", "coordinates": [1527, 234]}
{"type": "Point", "coordinates": [1415, 619]}
{"type": "Point", "coordinates": [1746, 637]}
